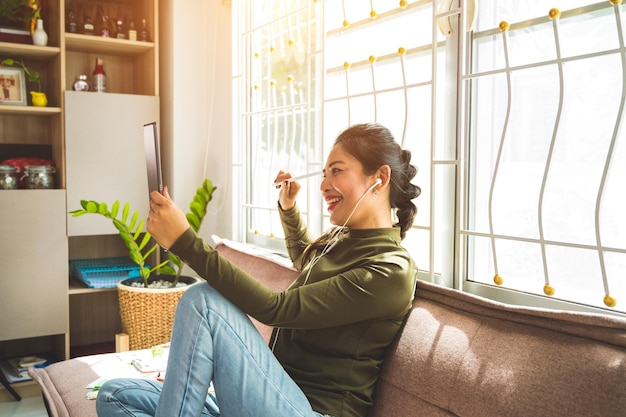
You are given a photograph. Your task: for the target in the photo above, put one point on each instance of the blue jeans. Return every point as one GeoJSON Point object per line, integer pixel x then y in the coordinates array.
{"type": "Point", "coordinates": [212, 340]}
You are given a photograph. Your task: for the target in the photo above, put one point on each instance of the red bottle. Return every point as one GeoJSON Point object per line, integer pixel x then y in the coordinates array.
{"type": "Point", "coordinates": [99, 77]}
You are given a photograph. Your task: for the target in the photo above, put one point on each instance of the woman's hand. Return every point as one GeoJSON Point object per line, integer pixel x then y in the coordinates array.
{"type": "Point", "coordinates": [166, 222]}
{"type": "Point", "coordinates": [288, 190]}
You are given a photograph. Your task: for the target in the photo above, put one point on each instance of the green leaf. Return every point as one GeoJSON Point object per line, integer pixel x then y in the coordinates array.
{"type": "Point", "coordinates": [152, 249]}
{"type": "Point", "coordinates": [194, 222]}
{"type": "Point", "coordinates": [144, 242]}
{"type": "Point", "coordinates": [77, 213]}
{"type": "Point", "coordinates": [125, 211]}
{"type": "Point", "coordinates": [197, 209]}
{"type": "Point", "coordinates": [174, 259]}
{"type": "Point", "coordinates": [131, 226]}
{"type": "Point", "coordinates": [115, 208]}
{"type": "Point", "coordinates": [167, 270]}
{"type": "Point", "coordinates": [136, 258]}
{"type": "Point", "coordinates": [202, 194]}
{"type": "Point", "coordinates": [103, 209]}
{"type": "Point", "coordinates": [92, 207]}
{"type": "Point", "coordinates": [139, 229]}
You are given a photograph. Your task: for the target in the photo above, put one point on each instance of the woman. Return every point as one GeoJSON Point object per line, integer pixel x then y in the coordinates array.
{"type": "Point", "coordinates": [332, 325]}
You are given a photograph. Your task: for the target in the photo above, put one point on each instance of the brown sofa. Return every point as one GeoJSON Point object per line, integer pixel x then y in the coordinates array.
{"type": "Point", "coordinates": [457, 355]}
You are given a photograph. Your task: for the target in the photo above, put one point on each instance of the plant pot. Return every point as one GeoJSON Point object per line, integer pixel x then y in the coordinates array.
{"type": "Point", "coordinates": [148, 313]}
{"type": "Point", "coordinates": [39, 98]}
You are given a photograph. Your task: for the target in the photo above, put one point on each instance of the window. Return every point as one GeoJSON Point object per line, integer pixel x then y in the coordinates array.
{"type": "Point", "coordinates": [519, 185]}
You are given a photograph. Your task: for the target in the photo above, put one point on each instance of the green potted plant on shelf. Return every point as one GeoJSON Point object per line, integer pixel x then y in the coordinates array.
{"type": "Point", "coordinates": [19, 13]}
{"type": "Point", "coordinates": [147, 309]}
{"type": "Point", "coordinates": [39, 97]}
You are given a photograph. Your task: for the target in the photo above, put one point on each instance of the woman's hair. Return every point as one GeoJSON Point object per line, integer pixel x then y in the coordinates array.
{"type": "Point", "coordinates": [374, 146]}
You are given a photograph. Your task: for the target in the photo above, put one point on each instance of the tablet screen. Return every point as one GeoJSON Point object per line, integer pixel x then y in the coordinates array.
{"type": "Point", "coordinates": [153, 157]}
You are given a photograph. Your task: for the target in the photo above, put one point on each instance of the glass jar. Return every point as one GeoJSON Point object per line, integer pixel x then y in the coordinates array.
{"type": "Point", "coordinates": [8, 177]}
{"type": "Point", "coordinates": [81, 83]}
{"type": "Point", "coordinates": [39, 176]}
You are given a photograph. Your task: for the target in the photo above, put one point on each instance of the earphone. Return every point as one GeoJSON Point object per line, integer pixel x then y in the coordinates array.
{"type": "Point", "coordinates": [332, 242]}
{"type": "Point", "coordinates": [377, 182]}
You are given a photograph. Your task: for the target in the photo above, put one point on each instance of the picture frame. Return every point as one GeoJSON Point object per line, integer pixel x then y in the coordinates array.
{"type": "Point", "coordinates": [13, 86]}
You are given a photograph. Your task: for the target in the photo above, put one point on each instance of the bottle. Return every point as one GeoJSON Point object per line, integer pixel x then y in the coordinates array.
{"type": "Point", "coordinates": [119, 32]}
{"type": "Point", "coordinates": [80, 83]}
{"type": "Point", "coordinates": [104, 27]}
{"type": "Point", "coordinates": [88, 26]}
{"type": "Point", "coordinates": [132, 32]}
{"type": "Point", "coordinates": [144, 35]}
{"type": "Point", "coordinates": [99, 77]}
{"type": "Point", "coordinates": [72, 24]}
{"type": "Point", "coordinates": [40, 37]}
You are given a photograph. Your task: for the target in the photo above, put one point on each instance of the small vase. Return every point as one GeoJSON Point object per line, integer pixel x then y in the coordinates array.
{"type": "Point", "coordinates": [40, 37]}
{"type": "Point", "coordinates": [39, 98]}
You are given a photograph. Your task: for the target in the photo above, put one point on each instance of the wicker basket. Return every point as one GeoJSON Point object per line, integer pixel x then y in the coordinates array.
{"type": "Point", "coordinates": [147, 313]}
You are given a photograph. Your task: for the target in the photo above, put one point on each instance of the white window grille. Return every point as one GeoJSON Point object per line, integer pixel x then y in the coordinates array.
{"type": "Point", "coordinates": [524, 183]}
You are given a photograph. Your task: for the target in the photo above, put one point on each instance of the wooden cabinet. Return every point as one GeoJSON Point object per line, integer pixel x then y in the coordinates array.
{"type": "Point", "coordinates": [96, 143]}
{"type": "Point", "coordinates": [105, 154]}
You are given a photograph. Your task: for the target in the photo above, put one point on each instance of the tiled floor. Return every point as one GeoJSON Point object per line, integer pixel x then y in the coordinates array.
{"type": "Point", "coordinates": [28, 407]}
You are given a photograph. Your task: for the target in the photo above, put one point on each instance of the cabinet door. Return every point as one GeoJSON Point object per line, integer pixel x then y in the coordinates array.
{"type": "Point", "coordinates": [105, 154]}
{"type": "Point", "coordinates": [33, 281]}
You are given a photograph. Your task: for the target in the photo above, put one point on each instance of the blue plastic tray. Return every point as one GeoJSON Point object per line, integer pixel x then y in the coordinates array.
{"type": "Point", "coordinates": [103, 272]}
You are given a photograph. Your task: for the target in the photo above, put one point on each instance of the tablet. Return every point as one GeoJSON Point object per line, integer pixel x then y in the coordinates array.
{"type": "Point", "coordinates": [153, 157]}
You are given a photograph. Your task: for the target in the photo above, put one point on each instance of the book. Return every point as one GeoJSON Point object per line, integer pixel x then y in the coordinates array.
{"type": "Point", "coordinates": [15, 369]}
{"type": "Point", "coordinates": [14, 31]}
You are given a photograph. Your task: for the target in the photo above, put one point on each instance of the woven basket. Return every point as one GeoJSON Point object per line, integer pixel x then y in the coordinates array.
{"type": "Point", "coordinates": [148, 313]}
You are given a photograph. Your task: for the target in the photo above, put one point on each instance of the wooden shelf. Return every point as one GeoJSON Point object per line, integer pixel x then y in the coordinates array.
{"type": "Point", "coordinates": [17, 50]}
{"type": "Point", "coordinates": [99, 45]}
{"type": "Point", "coordinates": [29, 110]}
{"type": "Point", "coordinates": [77, 287]}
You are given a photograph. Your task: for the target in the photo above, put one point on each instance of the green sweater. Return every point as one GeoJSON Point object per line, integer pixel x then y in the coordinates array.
{"type": "Point", "coordinates": [334, 330]}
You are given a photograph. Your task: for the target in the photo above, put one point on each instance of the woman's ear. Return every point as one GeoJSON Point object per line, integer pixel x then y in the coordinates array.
{"type": "Point", "coordinates": [384, 175]}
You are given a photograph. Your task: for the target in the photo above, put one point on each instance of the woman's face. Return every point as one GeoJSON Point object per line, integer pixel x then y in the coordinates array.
{"type": "Point", "coordinates": [343, 185]}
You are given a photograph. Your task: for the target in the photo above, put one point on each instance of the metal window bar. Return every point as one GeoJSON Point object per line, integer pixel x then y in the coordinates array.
{"type": "Point", "coordinates": [464, 79]}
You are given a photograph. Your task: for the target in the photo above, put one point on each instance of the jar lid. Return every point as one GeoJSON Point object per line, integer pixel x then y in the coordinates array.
{"type": "Point", "coordinates": [8, 168]}
{"type": "Point", "coordinates": [39, 169]}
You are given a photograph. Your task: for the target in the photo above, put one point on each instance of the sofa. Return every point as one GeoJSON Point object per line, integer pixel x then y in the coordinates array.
{"type": "Point", "coordinates": [456, 355]}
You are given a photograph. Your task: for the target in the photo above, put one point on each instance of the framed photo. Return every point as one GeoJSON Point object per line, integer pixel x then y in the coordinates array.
{"type": "Point", "coordinates": [12, 86]}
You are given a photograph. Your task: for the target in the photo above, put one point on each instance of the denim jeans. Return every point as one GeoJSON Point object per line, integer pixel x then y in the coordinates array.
{"type": "Point", "coordinates": [212, 340]}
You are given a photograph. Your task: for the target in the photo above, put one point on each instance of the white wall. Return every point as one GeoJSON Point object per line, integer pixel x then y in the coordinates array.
{"type": "Point", "coordinates": [195, 80]}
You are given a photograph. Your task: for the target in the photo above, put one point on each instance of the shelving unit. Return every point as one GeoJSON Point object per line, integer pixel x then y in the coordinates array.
{"type": "Point", "coordinates": [43, 310]}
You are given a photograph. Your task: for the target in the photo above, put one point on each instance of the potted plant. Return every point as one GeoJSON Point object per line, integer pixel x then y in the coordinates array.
{"type": "Point", "coordinates": [39, 97]}
{"type": "Point", "coordinates": [19, 13]}
{"type": "Point", "coordinates": [148, 302]}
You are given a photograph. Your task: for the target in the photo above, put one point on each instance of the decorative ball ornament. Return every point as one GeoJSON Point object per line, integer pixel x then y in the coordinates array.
{"type": "Point", "coordinates": [548, 290]}
{"type": "Point", "coordinates": [290, 43]}
{"type": "Point", "coordinates": [289, 78]}
{"type": "Point", "coordinates": [256, 86]}
{"type": "Point", "coordinates": [610, 301]}
{"type": "Point", "coordinates": [373, 15]}
{"type": "Point", "coordinates": [256, 55]}
{"type": "Point", "coordinates": [401, 51]}
{"type": "Point", "coordinates": [346, 24]}
{"type": "Point", "coordinates": [403, 4]}
{"type": "Point", "coordinates": [272, 49]}
{"type": "Point", "coordinates": [614, 2]}
{"type": "Point", "coordinates": [504, 26]}
{"type": "Point", "coordinates": [498, 279]}
{"type": "Point", "coordinates": [346, 65]}
{"type": "Point", "coordinates": [554, 13]}
{"type": "Point", "coordinates": [372, 59]}
{"type": "Point", "coordinates": [272, 83]}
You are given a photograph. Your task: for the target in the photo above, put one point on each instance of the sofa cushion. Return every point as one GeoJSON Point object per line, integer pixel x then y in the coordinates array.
{"type": "Point", "coordinates": [461, 355]}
